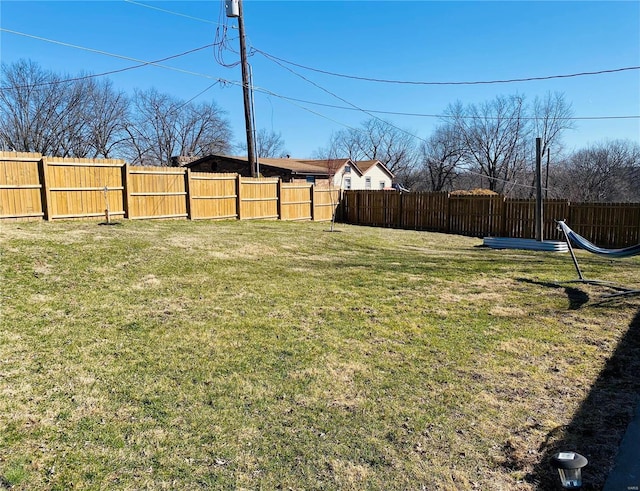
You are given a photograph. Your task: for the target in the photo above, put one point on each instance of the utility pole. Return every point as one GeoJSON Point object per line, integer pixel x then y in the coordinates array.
{"type": "Point", "coordinates": [539, 214]}
{"type": "Point", "coordinates": [234, 9]}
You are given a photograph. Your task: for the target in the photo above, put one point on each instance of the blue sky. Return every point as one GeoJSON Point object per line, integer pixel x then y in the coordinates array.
{"type": "Point", "coordinates": [448, 41]}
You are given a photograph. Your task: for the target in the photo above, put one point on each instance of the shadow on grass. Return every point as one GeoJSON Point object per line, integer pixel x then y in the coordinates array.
{"type": "Point", "coordinates": [577, 298]}
{"type": "Point", "coordinates": [598, 426]}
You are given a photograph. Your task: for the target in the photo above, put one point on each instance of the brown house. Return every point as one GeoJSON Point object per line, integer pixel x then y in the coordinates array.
{"type": "Point", "coordinates": [287, 169]}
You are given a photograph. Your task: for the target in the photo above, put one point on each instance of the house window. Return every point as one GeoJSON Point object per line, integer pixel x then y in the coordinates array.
{"type": "Point", "coordinates": [311, 179]}
{"type": "Point", "coordinates": [347, 169]}
{"type": "Point", "coordinates": [367, 183]}
{"type": "Point", "coordinates": [382, 183]}
{"type": "Point", "coordinates": [347, 183]}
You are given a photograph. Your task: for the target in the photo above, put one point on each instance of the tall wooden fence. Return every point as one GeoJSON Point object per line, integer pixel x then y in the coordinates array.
{"type": "Point", "coordinates": [33, 187]}
{"type": "Point", "coordinates": [36, 187]}
{"type": "Point", "coordinates": [606, 224]}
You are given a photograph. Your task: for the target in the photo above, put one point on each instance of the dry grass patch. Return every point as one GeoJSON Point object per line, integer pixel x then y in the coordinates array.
{"type": "Point", "coordinates": [244, 355]}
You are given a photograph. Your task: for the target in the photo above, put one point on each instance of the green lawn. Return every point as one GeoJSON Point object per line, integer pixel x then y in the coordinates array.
{"type": "Point", "coordinates": [275, 355]}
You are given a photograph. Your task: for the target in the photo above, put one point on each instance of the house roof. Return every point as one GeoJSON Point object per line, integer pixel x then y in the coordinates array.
{"type": "Point", "coordinates": [317, 167]}
{"type": "Point", "coordinates": [361, 166]}
{"type": "Point", "coordinates": [293, 165]}
{"type": "Point", "coordinates": [332, 164]}
{"type": "Point", "coordinates": [365, 165]}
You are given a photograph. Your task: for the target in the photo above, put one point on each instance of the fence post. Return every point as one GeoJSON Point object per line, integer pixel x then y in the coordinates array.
{"type": "Point", "coordinates": [238, 196]}
{"type": "Point", "coordinates": [356, 205]}
{"type": "Point", "coordinates": [45, 193]}
{"type": "Point", "coordinates": [126, 197]}
{"type": "Point", "coordinates": [448, 212]}
{"type": "Point", "coordinates": [503, 218]}
{"type": "Point", "coordinates": [279, 199]}
{"type": "Point", "coordinates": [312, 198]}
{"type": "Point", "coordinates": [187, 188]}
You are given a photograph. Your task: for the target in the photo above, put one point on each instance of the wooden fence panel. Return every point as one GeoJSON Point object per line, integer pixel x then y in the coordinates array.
{"type": "Point", "coordinates": [157, 192]}
{"type": "Point", "coordinates": [83, 188]}
{"type": "Point", "coordinates": [36, 187]}
{"type": "Point", "coordinates": [608, 225]}
{"type": "Point", "coordinates": [258, 198]}
{"type": "Point", "coordinates": [427, 211]}
{"type": "Point", "coordinates": [519, 218]}
{"type": "Point", "coordinates": [393, 208]}
{"type": "Point", "coordinates": [351, 207]}
{"type": "Point", "coordinates": [213, 196]}
{"type": "Point", "coordinates": [296, 201]}
{"type": "Point", "coordinates": [325, 202]}
{"type": "Point", "coordinates": [476, 216]}
{"type": "Point", "coordinates": [20, 186]}
{"type": "Point", "coordinates": [373, 210]}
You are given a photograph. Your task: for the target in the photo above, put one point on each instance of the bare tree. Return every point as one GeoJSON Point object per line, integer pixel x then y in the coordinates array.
{"type": "Point", "coordinates": [377, 140]}
{"type": "Point", "coordinates": [163, 126]}
{"type": "Point", "coordinates": [608, 171]}
{"type": "Point", "coordinates": [106, 130]}
{"type": "Point", "coordinates": [552, 115]}
{"type": "Point", "coordinates": [440, 158]}
{"type": "Point", "coordinates": [269, 144]}
{"type": "Point", "coordinates": [32, 108]}
{"type": "Point", "coordinates": [493, 136]}
{"type": "Point", "coordinates": [61, 116]}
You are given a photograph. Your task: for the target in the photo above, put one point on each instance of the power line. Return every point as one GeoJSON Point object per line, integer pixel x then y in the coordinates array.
{"type": "Point", "coordinates": [113, 55]}
{"type": "Point", "coordinates": [292, 101]}
{"type": "Point", "coordinates": [142, 63]}
{"type": "Point", "coordinates": [477, 82]}
{"type": "Point", "coordinates": [103, 74]}
{"type": "Point", "coordinates": [435, 116]}
{"type": "Point", "coordinates": [347, 102]}
{"type": "Point", "coordinates": [171, 12]}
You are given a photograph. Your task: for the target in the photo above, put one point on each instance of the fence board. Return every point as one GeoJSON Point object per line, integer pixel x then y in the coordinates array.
{"type": "Point", "coordinates": [476, 216]}
{"type": "Point", "coordinates": [258, 198]}
{"type": "Point", "coordinates": [20, 189]}
{"type": "Point", "coordinates": [157, 192]}
{"type": "Point", "coordinates": [426, 211]}
{"type": "Point", "coordinates": [214, 196]}
{"type": "Point", "coordinates": [607, 224]}
{"type": "Point", "coordinates": [325, 202]}
{"type": "Point", "coordinates": [83, 188]}
{"type": "Point", "coordinates": [296, 201]}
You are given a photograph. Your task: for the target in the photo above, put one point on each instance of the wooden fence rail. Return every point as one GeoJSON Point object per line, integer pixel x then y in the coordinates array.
{"type": "Point", "coordinates": [606, 224]}
{"type": "Point", "coordinates": [36, 187]}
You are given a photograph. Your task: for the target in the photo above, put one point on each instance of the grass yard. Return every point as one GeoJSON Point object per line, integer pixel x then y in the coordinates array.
{"type": "Point", "coordinates": [276, 355]}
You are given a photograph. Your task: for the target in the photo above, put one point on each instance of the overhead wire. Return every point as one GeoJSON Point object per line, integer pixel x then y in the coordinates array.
{"type": "Point", "coordinates": [349, 103]}
{"type": "Point", "coordinates": [222, 43]}
{"type": "Point", "coordinates": [114, 55]}
{"type": "Point", "coordinates": [476, 82]}
{"type": "Point", "coordinates": [435, 116]}
{"type": "Point", "coordinates": [170, 12]}
{"type": "Point", "coordinates": [221, 40]}
{"type": "Point", "coordinates": [111, 72]}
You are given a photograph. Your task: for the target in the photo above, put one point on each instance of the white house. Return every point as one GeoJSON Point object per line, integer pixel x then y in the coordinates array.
{"type": "Point", "coordinates": [372, 174]}
{"type": "Point", "coordinates": [365, 174]}
{"type": "Point", "coordinates": [345, 173]}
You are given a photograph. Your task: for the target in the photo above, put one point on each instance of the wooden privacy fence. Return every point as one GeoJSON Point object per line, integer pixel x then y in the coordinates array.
{"type": "Point", "coordinates": [36, 187]}
{"type": "Point", "coordinates": [33, 187]}
{"type": "Point", "coordinates": [605, 224]}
